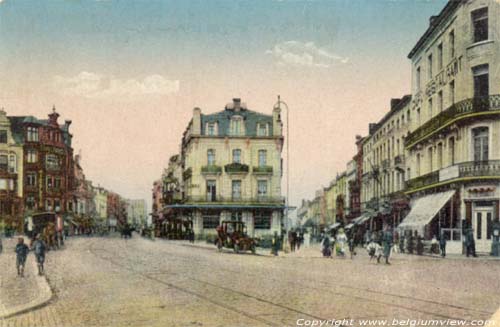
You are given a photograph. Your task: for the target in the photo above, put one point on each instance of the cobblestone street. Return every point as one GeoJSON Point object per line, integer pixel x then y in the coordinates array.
{"type": "Point", "coordinates": [139, 282]}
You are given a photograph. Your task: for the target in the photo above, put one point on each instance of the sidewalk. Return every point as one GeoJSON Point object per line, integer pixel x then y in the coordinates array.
{"type": "Point", "coordinates": [19, 295]}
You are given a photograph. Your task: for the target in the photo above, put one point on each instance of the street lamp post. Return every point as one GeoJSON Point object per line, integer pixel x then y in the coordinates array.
{"type": "Point", "coordinates": [278, 104]}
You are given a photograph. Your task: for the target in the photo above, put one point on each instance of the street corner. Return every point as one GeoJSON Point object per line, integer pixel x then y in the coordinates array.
{"type": "Point", "coordinates": [22, 295]}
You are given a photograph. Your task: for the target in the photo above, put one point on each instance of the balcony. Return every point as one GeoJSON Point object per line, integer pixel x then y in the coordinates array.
{"type": "Point", "coordinates": [423, 180]}
{"type": "Point", "coordinates": [263, 170]}
{"type": "Point", "coordinates": [480, 169]}
{"type": "Point", "coordinates": [489, 168]}
{"type": "Point", "coordinates": [460, 110]}
{"type": "Point", "coordinates": [211, 169]}
{"type": "Point", "coordinates": [232, 200]}
{"type": "Point", "coordinates": [236, 168]}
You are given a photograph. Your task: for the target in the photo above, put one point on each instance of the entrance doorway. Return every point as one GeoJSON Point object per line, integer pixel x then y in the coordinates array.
{"type": "Point", "coordinates": [482, 224]}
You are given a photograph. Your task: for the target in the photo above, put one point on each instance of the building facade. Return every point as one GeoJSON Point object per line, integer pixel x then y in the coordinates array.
{"type": "Point", "coordinates": [232, 168]}
{"type": "Point", "coordinates": [136, 212]}
{"type": "Point", "coordinates": [11, 177]}
{"type": "Point", "coordinates": [454, 145]}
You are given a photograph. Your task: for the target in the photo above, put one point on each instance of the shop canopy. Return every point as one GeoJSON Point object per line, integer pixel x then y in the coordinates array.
{"type": "Point", "coordinates": [359, 220]}
{"type": "Point", "coordinates": [424, 209]}
{"type": "Point", "coordinates": [334, 226]}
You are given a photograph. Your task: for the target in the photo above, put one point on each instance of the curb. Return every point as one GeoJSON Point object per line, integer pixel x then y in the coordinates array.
{"type": "Point", "coordinates": [44, 297]}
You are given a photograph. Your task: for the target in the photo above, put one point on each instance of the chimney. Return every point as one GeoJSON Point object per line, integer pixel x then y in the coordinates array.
{"type": "Point", "coordinates": [236, 104]}
{"type": "Point", "coordinates": [196, 129]}
{"type": "Point", "coordinates": [372, 127]}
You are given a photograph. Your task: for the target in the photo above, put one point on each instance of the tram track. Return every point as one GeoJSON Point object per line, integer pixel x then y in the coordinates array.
{"type": "Point", "coordinates": [437, 307]}
{"type": "Point", "coordinates": [256, 317]}
{"type": "Point", "coordinates": [330, 286]}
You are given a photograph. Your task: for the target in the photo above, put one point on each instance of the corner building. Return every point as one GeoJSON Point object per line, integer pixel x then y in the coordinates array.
{"type": "Point", "coordinates": [453, 166]}
{"type": "Point", "coordinates": [232, 169]}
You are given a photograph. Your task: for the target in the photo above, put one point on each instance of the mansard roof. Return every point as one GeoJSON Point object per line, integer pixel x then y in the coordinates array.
{"type": "Point", "coordinates": [250, 118]}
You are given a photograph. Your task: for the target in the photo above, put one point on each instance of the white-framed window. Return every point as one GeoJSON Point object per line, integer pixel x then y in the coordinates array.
{"type": "Point", "coordinates": [211, 157]}
{"type": "Point", "coordinates": [481, 81]}
{"type": "Point", "coordinates": [236, 127]}
{"type": "Point", "coordinates": [211, 129]}
{"type": "Point", "coordinates": [12, 163]}
{"type": "Point", "coordinates": [480, 24]}
{"type": "Point", "coordinates": [262, 188]}
{"type": "Point", "coordinates": [31, 156]}
{"type": "Point", "coordinates": [32, 134]}
{"type": "Point", "coordinates": [262, 219]}
{"type": "Point", "coordinates": [451, 150]}
{"type": "Point", "coordinates": [418, 165]}
{"type": "Point", "coordinates": [262, 129]}
{"type": "Point", "coordinates": [52, 161]}
{"type": "Point", "coordinates": [440, 156]}
{"type": "Point", "coordinates": [480, 136]}
{"type": "Point", "coordinates": [430, 159]}
{"type": "Point", "coordinates": [211, 190]}
{"type": "Point", "coordinates": [262, 158]}
{"type": "Point", "coordinates": [236, 189]}
{"type": "Point", "coordinates": [31, 179]}
{"type": "Point", "coordinates": [237, 156]}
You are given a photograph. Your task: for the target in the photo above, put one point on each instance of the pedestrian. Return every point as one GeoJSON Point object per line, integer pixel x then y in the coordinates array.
{"type": "Point", "coordinates": [300, 239]}
{"type": "Point", "coordinates": [40, 249]}
{"type": "Point", "coordinates": [420, 245]}
{"type": "Point", "coordinates": [1, 246]}
{"type": "Point", "coordinates": [352, 245]}
{"type": "Point", "coordinates": [387, 241]}
{"type": "Point", "coordinates": [434, 245]}
{"type": "Point", "coordinates": [326, 246]}
{"type": "Point", "coordinates": [275, 244]}
{"type": "Point", "coordinates": [374, 250]}
{"type": "Point", "coordinates": [442, 245]}
{"type": "Point", "coordinates": [470, 243]}
{"type": "Point", "coordinates": [409, 244]}
{"type": "Point", "coordinates": [21, 254]}
{"type": "Point", "coordinates": [291, 240]}
{"type": "Point", "coordinates": [341, 243]}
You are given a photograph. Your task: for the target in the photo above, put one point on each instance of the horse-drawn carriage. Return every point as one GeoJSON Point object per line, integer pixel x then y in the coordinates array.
{"type": "Point", "coordinates": [232, 234]}
{"type": "Point", "coordinates": [46, 225]}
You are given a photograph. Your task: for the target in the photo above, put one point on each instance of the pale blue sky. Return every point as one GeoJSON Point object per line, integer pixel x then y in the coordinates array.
{"type": "Point", "coordinates": [129, 72]}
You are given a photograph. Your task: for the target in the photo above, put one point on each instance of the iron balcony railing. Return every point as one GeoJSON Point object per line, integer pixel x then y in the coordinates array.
{"type": "Point", "coordinates": [211, 169]}
{"type": "Point", "coordinates": [490, 168]}
{"type": "Point", "coordinates": [262, 170]}
{"type": "Point", "coordinates": [479, 168]}
{"type": "Point", "coordinates": [235, 168]}
{"type": "Point", "coordinates": [236, 200]}
{"type": "Point", "coordinates": [423, 180]}
{"type": "Point", "coordinates": [457, 110]}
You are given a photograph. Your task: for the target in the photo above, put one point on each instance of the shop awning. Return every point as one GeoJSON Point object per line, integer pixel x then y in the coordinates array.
{"type": "Point", "coordinates": [334, 226]}
{"type": "Point", "coordinates": [424, 209]}
{"type": "Point", "coordinates": [359, 220]}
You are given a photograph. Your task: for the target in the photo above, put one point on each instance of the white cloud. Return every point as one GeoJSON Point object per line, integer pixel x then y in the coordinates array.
{"type": "Point", "coordinates": [92, 85]}
{"type": "Point", "coordinates": [296, 53]}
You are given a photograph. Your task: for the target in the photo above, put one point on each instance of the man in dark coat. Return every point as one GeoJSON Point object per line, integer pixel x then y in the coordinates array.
{"type": "Point", "coordinates": [387, 239]}
{"type": "Point", "coordinates": [442, 245]}
{"type": "Point", "coordinates": [21, 254]}
{"type": "Point", "coordinates": [40, 250]}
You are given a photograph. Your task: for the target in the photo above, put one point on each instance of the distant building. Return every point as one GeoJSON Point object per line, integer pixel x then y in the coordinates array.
{"type": "Point", "coordinates": [136, 212]}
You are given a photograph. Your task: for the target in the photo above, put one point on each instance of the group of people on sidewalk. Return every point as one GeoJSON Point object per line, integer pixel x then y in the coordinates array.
{"type": "Point", "coordinates": [338, 244]}
{"type": "Point", "coordinates": [22, 250]}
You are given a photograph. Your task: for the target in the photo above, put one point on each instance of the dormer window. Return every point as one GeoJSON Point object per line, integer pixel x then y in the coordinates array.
{"type": "Point", "coordinates": [236, 128]}
{"type": "Point", "coordinates": [211, 129]}
{"type": "Point", "coordinates": [32, 134]}
{"type": "Point", "coordinates": [262, 129]}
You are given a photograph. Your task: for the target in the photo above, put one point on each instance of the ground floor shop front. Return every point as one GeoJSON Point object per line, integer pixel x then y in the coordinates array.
{"type": "Point", "coordinates": [464, 214]}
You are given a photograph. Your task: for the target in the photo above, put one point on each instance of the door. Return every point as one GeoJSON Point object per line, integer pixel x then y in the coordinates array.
{"type": "Point", "coordinates": [482, 224]}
